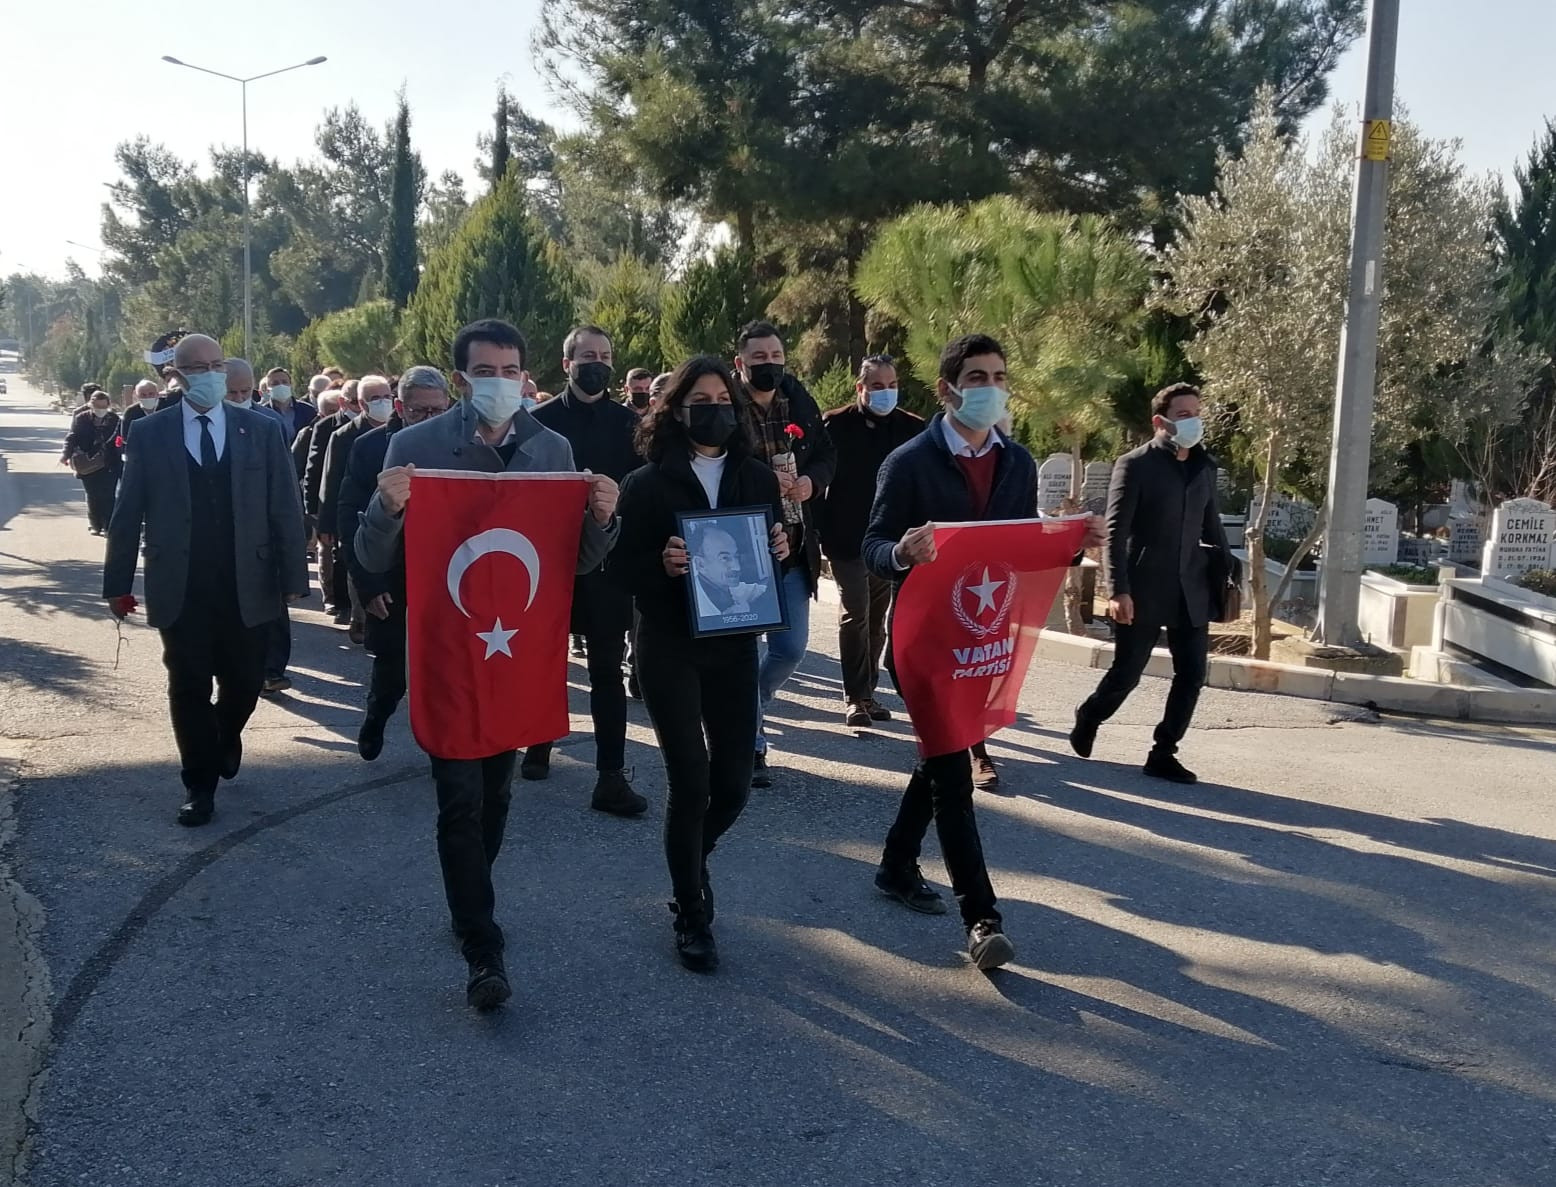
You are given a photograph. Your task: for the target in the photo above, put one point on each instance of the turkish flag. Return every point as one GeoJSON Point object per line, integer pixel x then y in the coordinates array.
{"type": "Point", "coordinates": [965, 626]}
{"type": "Point", "coordinates": [489, 564]}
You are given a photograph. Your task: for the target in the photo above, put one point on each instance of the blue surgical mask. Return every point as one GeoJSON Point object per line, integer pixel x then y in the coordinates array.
{"type": "Point", "coordinates": [1188, 432]}
{"type": "Point", "coordinates": [882, 401]}
{"type": "Point", "coordinates": [982, 407]}
{"type": "Point", "coordinates": [494, 398]}
{"type": "Point", "coordinates": [207, 390]}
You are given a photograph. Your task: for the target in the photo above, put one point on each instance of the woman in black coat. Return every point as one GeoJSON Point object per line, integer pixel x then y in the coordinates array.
{"type": "Point", "coordinates": [700, 693]}
{"type": "Point", "coordinates": [93, 450]}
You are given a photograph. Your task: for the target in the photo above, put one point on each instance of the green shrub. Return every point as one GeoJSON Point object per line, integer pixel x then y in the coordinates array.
{"type": "Point", "coordinates": [1409, 574]}
{"type": "Point", "coordinates": [1540, 581]}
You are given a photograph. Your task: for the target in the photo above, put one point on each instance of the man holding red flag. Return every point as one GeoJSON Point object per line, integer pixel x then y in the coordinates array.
{"type": "Point", "coordinates": [480, 690]}
{"type": "Point", "coordinates": [961, 688]}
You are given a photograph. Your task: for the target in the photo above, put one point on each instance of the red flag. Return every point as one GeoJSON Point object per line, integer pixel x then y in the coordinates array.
{"type": "Point", "coordinates": [965, 626]}
{"type": "Point", "coordinates": [489, 564]}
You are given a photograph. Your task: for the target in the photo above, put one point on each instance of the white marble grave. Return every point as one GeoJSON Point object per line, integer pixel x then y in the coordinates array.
{"type": "Point", "coordinates": [1053, 482]}
{"type": "Point", "coordinates": [1521, 538]}
{"type": "Point", "coordinates": [1380, 533]}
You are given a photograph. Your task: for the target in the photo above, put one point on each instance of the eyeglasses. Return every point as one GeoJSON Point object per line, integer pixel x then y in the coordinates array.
{"type": "Point", "coordinates": [412, 415]}
{"type": "Point", "coordinates": [203, 368]}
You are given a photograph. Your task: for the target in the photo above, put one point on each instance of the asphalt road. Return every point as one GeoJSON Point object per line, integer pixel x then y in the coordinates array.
{"type": "Point", "coordinates": [1331, 962]}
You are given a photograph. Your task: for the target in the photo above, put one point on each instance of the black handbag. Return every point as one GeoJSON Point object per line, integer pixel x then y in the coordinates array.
{"type": "Point", "coordinates": [1225, 575]}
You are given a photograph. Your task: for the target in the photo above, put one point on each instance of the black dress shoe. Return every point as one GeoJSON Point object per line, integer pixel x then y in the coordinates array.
{"type": "Point", "coordinates": [878, 711]}
{"type": "Point", "coordinates": [370, 738]}
{"type": "Point", "coordinates": [232, 757]}
{"type": "Point", "coordinates": [989, 946]}
{"type": "Point", "coordinates": [908, 887]}
{"type": "Point", "coordinates": [198, 810]}
{"type": "Point", "coordinates": [488, 987]}
{"type": "Point", "coordinates": [694, 938]}
{"type": "Point", "coordinates": [537, 763]}
{"type": "Point", "coordinates": [1083, 736]}
{"type": "Point", "coordinates": [1161, 765]}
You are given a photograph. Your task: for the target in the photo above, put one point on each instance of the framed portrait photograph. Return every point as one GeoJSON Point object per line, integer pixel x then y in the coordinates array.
{"type": "Point", "coordinates": [734, 586]}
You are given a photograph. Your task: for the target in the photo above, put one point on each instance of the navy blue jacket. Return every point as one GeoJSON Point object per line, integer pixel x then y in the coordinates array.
{"type": "Point", "coordinates": [921, 483]}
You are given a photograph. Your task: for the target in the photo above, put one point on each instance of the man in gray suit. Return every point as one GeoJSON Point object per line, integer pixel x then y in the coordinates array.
{"type": "Point", "coordinates": [489, 432]}
{"type": "Point", "coordinates": [213, 486]}
{"type": "Point", "coordinates": [1161, 509]}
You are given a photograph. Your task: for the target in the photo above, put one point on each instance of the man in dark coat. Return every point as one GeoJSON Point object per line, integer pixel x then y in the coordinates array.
{"type": "Point", "coordinates": [332, 568]}
{"type": "Point", "coordinates": [423, 394]}
{"type": "Point", "coordinates": [960, 468]}
{"type": "Point", "coordinates": [776, 402]}
{"type": "Point", "coordinates": [864, 435]}
{"type": "Point", "coordinates": [211, 484]}
{"type": "Point", "coordinates": [600, 431]}
{"type": "Point", "coordinates": [1161, 513]}
{"type": "Point", "coordinates": [146, 399]}
{"type": "Point", "coordinates": [376, 399]}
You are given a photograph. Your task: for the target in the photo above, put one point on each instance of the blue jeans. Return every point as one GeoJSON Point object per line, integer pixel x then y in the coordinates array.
{"type": "Point", "coordinates": [782, 651]}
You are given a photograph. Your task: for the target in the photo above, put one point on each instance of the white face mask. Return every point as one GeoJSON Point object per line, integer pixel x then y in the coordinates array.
{"type": "Point", "coordinates": [494, 398]}
{"type": "Point", "coordinates": [1188, 432]}
{"type": "Point", "coordinates": [280, 394]}
{"type": "Point", "coordinates": [379, 411]}
{"type": "Point", "coordinates": [149, 403]}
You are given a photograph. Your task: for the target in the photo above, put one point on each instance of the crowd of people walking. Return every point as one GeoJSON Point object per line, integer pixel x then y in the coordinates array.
{"type": "Point", "coordinates": [224, 488]}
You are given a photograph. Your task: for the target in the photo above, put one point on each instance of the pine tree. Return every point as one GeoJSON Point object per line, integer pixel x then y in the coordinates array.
{"type": "Point", "coordinates": [704, 312]}
{"type": "Point", "coordinates": [501, 154]}
{"type": "Point", "coordinates": [400, 255]}
{"type": "Point", "coordinates": [499, 264]}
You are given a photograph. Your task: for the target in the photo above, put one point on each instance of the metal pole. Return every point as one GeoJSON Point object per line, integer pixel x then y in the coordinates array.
{"type": "Point", "coordinates": [1351, 450]}
{"type": "Point", "coordinates": [248, 272]}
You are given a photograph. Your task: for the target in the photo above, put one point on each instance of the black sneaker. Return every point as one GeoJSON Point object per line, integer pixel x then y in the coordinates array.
{"type": "Point", "coordinates": [1084, 735]}
{"type": "Point", "coordinates": [989, 946]}
{"type": "Point", "coordinates": [613, 794]}
{"type": "Point", "coordinates": [909, 888]}
{"type": "Point", "coordinates": [759, 775]}
{"type": "Point", "coordinates": [1161, 765]}
{"type": "Point", "coordinates": [857, 716]}
{"type": "Point", "coordinates": [694, 939]}
{"type": "Point", "coordinates": [537, 763]}
{"type": "Point", "coordinates": [488, 987]}
{"type": "Point", "coordinates": [878, 711]}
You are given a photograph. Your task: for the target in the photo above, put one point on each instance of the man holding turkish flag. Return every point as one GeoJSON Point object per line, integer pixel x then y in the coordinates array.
{"type": "Point", "coordinates": [964, 620]}
{"type": "Point", "coordinates": [490, 553]}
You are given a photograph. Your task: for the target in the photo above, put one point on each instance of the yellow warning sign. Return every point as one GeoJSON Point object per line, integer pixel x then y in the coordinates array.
{"type": "Point", "coordinates": [1376, 139]}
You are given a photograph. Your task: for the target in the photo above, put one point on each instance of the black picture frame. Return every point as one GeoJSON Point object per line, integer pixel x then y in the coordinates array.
{"type": "Point", "coordinates": [743, 573]}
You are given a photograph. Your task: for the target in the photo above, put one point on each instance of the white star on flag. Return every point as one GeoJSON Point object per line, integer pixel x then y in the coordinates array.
{"type": "Point", "coordinates": [985, 592]}
{"type": "Point", "coordinates": [496, 639]}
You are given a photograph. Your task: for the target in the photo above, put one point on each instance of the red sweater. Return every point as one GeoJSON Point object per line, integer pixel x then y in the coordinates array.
{"type": "Point", "coordinates": [979, 472]}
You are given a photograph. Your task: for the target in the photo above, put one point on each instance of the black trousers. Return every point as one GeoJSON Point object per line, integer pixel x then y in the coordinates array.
{"type": "Point", "coordinates": [607, 701]}
{"type": "Point", "coordinates": [386, 642]}
{"type": "Point", "coordinates": [100, 490]}
{"type": "Point", "coordinates": [340, 587]}
{"type": "Point", "coordinates": [209, 642]}
{"type": "Point", "coordinates": [473, 796]}
{"type": "Point", "coordinates": [701, 697]}
{"type": "Point", "coordinates": [941, 790]}
{"type": "Point", "coordinates": [1131, 652]}
{"type": "Point", "coordinates": [862, 627]}
{"type": "Point", "coordinates": [278, 645]}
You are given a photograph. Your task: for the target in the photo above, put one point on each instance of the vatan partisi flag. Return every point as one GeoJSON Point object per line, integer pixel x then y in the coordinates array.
{"type": "Point", "coordinates": [965, 626]}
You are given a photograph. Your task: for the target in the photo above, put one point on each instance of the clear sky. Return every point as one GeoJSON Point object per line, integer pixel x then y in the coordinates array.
{"type": "Point", "coordinates": [79, 76]}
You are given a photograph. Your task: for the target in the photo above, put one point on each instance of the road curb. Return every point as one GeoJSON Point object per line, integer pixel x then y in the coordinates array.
{"type": "Point", "coordinates": [1394, 694]}
{"type": "Point", "coordinates": [24, 990]}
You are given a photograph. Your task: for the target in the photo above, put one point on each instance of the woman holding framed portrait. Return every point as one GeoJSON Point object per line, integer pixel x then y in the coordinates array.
{"type": "Point", "coordinates": [701, 539]}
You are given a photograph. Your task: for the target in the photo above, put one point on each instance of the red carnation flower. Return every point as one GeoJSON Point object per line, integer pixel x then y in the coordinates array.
{"type": "Point", "coordinates": [795, 432]}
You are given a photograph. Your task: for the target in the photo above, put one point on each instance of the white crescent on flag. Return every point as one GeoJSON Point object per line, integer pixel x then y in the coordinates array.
{"type": "Point", "coordinates": [515, 544]}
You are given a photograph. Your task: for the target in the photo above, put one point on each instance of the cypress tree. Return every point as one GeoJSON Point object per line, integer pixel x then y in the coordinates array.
{"type": "Point", "coordinates": [400, 256]}
{"type": "Point", "coordinates": [501, 153]}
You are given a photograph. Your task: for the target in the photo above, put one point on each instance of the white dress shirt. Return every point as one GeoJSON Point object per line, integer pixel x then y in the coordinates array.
{"type": "Point", "coordinates": [218, 419]}
{"type": "Point", "coordinates": [959, 444]}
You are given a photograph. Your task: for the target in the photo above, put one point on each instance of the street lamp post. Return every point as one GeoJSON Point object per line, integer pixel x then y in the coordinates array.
{"type": "Point", "coordinates": [1351, 449]}
{"type": "Point", "coordinates": [248, 271]}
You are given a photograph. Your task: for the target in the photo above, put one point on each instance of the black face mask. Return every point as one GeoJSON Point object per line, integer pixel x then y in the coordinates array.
{"type": "Point", "coordinates": [764, 377]}
{"type": "Point", "coordinates": [591, 378]}
{"type": "Point", "coordinates": [640, 399]}
{"type": "Point", "coordinates": [710, 424]}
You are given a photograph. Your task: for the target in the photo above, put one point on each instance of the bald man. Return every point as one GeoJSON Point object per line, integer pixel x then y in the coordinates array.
{"type": "Point", "coordinates": [214, 489]}
{"type": "Point", "coordinates": [146, 399]}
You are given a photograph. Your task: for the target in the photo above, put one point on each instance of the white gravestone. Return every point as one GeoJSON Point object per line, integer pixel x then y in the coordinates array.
{"type": "Point", "coordinates": [1290, 519]}
{"type": "Point", "coordinates": [1521, 532]}
{"type": "Point", "coordinates": [1466, 535]}
{"type": "Point", "coordinates": [1094, 486]}
{"type": "Point", "coordinates": [1053, 482]}
{"type": "Point", "coordinates": [1380, 533]}
{"type": "Point", "coordinates": [1424, 551]}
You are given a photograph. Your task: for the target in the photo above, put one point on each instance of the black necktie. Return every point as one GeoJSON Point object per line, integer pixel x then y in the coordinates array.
{"type": "Point", "coordinates": [207, 443]}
